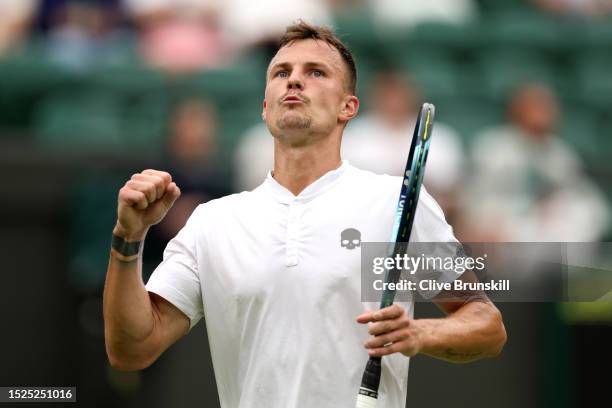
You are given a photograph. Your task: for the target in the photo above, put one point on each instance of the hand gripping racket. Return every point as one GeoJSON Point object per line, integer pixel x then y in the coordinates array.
{"type": "Point", "coordinates": [404, 218]}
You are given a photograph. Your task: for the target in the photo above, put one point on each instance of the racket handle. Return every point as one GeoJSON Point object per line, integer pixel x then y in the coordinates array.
{"type": "Point", "coordinates": [368, 392]}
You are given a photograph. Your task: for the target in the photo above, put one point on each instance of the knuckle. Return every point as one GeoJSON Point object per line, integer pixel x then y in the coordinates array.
{"type": "Point", "coordinates": [159, 182]}
{"type": "Point", "coordinates": [151, 188]}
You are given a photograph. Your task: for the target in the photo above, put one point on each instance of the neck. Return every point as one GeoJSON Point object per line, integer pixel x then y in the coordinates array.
{"type": "Point", "coordinates": [296, 167]}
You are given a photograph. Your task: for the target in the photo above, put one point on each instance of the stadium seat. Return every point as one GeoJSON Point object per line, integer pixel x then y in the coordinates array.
{"type": "Point", "coordinates": [358, 32]}
{"type": "Point", "coordinates": [496, 7]}
{"type": "Point", "coordinates": [468, 115]}
{"type": "Point", "coordinates": [593, 75]}
{"type": "Point", "coordinates": [236, 91]}
{"type": "Point", "coordinates": [503, 69]}
{"type": "Point", "coordinates": [599, 34]}
{"type": "Point", "coordinates": [96, 121]}
{"type": "Point", "coordinates": [524, 30]}
{"type": "Point", "coordinates": [75, 121]}
{"type": "Point", "coordinates": [26, 76]}
{"type": "Point", "coordinates": [604, 133]}
{"type": "Point", "coordinates": [450, 37]}
{"type": "Point", "coordinates": [579, 127]}
{"type": "Point", "coordinates": [434, 70]}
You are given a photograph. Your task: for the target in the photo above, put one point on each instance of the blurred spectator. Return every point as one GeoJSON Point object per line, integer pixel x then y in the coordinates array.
{"type": "Point", "coordinates": [15, 20]}
{"type": "Point", "coordinates": [82, 34]}
{"type": "Point", "coordinates": [254, 158]}
{"type": "Point", "coordinates": [527, 184]}
{"type": "Point", "coordinates": [263, 22]}
{"type": "Point", "coordinates": [192, 159]}
{"type": "Point", "coordinates": [400, 13]}
{"type": "Point", "coordinates": [576, 7]}
{"type": "Point", "coordinates": [379, 140]}
{"type": "Point", "coordinates": [180, 35]}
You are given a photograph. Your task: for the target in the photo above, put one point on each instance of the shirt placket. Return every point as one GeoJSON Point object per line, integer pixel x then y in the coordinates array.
{"type": "Point", "coordinates": [293, 230]}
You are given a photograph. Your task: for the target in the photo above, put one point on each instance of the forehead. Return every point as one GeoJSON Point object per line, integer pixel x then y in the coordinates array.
{"type": "Point", "coordinates": [310, 50]}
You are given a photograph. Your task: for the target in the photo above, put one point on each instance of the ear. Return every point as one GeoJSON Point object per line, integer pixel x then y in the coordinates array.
{"type": "Point", "coordinates": [263, 112]}
{"type": "Point", "coordinates": [350, 108]}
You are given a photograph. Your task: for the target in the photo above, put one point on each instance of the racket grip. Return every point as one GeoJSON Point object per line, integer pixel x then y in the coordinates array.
{"type": "Point", "coordinates": [368, 392]}
{"type": "Point", "coordinates": [363, 401]}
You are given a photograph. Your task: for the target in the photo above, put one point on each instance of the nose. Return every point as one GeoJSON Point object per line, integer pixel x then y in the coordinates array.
{"type": "Point", "coordinates": [295, 81]}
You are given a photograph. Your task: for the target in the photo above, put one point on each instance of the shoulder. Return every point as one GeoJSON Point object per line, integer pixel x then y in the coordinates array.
{"type": "Point", "coordinates": [216, 216]}
{"type": "Point", "coordinates": [368, 181]}
{"type": "Point", "coordinates": [228, 204]}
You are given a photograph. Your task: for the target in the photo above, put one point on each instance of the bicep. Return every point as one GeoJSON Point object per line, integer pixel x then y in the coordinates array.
{"type": "Point", "coordinates": [449, 301]}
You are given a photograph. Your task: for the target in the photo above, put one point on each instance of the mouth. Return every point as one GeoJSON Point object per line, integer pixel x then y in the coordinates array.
{"type": "Point", "coordinates": [292, 100]}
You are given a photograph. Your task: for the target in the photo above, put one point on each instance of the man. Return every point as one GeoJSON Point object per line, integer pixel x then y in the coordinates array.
{"type": "Point", "coordinates": [279, 293]}
{"type": "Point", "coordinates": [528, 182]}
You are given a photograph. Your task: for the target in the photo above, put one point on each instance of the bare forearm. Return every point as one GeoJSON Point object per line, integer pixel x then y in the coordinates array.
{"type": "Point", "coordinates": [136, 328]}
{"type": "Point", "coordinates": [128, 312]}
{"type": "Point", "coordinates": [472, 332]}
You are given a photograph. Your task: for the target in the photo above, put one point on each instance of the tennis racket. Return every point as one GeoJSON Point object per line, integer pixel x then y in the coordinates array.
{"type": "Point", "coordinates": [402, 227]}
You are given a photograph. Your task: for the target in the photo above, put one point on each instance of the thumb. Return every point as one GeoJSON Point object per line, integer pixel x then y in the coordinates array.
{"type": "Point", "coordinates": [172, 193]}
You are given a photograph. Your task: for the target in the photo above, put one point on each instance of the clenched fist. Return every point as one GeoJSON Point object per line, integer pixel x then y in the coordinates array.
{"type": "Point", "coordinates": [144, 201]}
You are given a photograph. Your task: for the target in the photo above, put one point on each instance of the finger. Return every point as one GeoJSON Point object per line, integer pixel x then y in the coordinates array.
{"type": "Point", "coordinates": [160, 184]}
{"type": "Point", "coordinates": [145, 187]}
{"type": "Point", "coordinates": [133, 198]}
{"type": "Point", "coordinates": [386, 339]}
{"type": "Point", "coordinates": [365, 317]}
{"type": "Point", "coordinates": [401, 346]}
{"type": "Point", "coordinates": [172, 193]}
{"type": "Point", "coordinates": [389, 312]}
{"type": "Point", "coordinates": [164, 175]}
{"type": "Point", "coordinates": [386, 326]}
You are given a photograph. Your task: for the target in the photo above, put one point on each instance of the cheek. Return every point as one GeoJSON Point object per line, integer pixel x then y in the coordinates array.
{"type": "Point", "coordinates": [329, 99]}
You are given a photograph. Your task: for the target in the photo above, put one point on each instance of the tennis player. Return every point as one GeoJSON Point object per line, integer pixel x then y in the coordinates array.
{"type": "Point", "coordinates": [268, 269]}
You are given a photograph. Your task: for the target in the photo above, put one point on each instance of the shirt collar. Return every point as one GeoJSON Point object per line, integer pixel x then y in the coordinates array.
{"type": "Point", "coordinates": [315, 189]}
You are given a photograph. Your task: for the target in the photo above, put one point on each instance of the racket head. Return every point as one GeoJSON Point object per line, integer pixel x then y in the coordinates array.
{"type": "Point", "coordinates": [413, 174]}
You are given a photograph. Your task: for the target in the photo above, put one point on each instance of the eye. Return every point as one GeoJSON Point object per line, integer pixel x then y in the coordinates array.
{"type": "Point", "coordinates": [316, 73]}
{"type": "Point", "coordinates": [282, 74]}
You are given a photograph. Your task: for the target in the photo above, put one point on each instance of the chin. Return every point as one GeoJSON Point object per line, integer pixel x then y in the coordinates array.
{"type": "Point", "coordinates": [294, 121]}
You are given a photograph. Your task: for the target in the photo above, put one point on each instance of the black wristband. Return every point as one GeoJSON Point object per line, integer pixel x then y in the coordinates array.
{"type": "Point", "coordinates": [125, 248]}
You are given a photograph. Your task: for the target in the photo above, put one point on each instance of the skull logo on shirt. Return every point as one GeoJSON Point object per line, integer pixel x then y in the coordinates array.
{"type": "Point", "coordinates": [350, 238]}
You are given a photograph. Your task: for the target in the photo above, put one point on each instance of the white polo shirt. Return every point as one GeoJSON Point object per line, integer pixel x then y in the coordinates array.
{"type": "Point", "coordinates": [279, 292]}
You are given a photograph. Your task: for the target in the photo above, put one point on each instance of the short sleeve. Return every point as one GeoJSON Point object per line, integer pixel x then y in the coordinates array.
{"type": "Point", "coordinates": [176, 278]}
{"type": "Point", "coordinates": [430, 226]}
